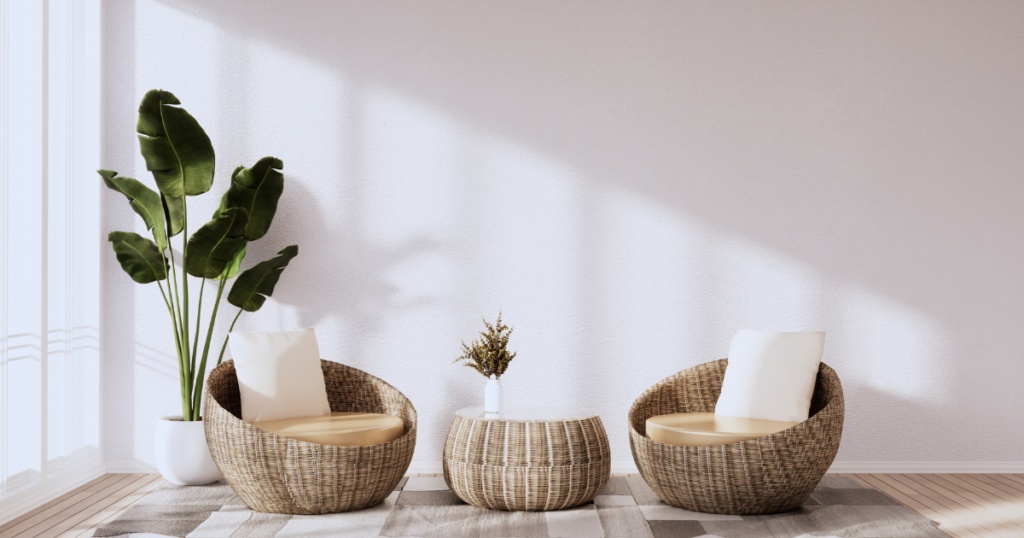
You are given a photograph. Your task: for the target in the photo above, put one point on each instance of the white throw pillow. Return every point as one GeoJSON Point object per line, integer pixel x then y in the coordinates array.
{"type": "Point", "coordinates": [279, 375]}
{"type": "Point", "coordinates": [771, 375]}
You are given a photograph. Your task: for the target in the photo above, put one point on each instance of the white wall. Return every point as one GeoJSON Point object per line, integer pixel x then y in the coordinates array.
{"type": "Point", "coordinates": [629, 182]}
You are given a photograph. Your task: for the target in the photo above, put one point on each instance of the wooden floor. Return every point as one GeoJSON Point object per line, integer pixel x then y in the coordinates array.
{"type": "Point", "coordinates": [84, 509]}
{"type": "Point", "coordinates": [964, 505]}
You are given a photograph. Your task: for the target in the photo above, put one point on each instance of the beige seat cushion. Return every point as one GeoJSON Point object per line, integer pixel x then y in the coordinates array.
{"type": "Point", "coordinates": [339, 429]}
{"type": "Point", "coordinates": [706, 429]}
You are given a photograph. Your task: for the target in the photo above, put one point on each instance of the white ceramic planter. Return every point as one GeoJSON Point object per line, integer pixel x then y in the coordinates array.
{"type": "Point", "coordinates": [493, 400]}
{"type": "Point", "coordinates": [182, 456]}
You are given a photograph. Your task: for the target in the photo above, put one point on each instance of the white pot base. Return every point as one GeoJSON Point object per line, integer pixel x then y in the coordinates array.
{"type": "Point", "coordinates": [182, 456]}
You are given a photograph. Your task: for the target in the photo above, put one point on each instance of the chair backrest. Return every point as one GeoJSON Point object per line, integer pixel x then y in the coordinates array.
{"type": "Point", "coordinates": [348, 390]}
{"type": "Point", "coordinates": [827, 389]}
{"type": "Point", "coordinates": [355, 391]}
{"type": "Point", "coordinates": [696, 390]}
{"type": "Point", "coordinates": [222, 386]}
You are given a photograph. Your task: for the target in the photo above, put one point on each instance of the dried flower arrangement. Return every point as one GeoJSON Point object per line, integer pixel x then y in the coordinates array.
{"type": "Point", "coordinates": [489, 355]}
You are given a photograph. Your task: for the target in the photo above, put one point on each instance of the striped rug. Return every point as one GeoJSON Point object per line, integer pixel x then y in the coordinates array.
{"type": "Point", "coordinates": [424, 507]}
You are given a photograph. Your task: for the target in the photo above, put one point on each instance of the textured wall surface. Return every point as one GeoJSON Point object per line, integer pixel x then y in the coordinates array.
{"type": "Point", "coordinates": [628, 182]}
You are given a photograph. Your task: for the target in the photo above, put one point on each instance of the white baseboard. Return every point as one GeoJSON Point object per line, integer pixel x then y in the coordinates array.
{"type": "Point", "coordinates": [130, 467]}
{"type": "Point", "coordinates": [628, 466]}
{"type": "Point", "coordinates": [927, 467]}
{"type": "Point", "coordinates": [36, 496]}
{"type": "Point", "coordinates": [425, 468]}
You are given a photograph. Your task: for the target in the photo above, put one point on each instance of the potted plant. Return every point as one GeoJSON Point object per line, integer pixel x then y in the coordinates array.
{"type": "Point", "coordinates": [180, 155]}
{"type": "Point", "coordinates": [489, 355]}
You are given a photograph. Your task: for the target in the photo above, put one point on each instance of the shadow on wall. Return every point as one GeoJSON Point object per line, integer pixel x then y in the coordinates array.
{"type": "Point", "coordinates": [351, 268]}
{"type": "Point", "coordinates": [838, 144]}
{"type": "Point", "coordinates": [637, 180]}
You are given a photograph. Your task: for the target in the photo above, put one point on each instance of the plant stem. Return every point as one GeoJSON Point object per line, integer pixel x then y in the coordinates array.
{"type": "Point", "coordinates": [199, 319]}
{"type": "Point", "coordinates": [221, 357]}
{"type": "Point", "coordinates": [197, 393]}
{"type": "Point", "coordinates": [168, 301]}
{"type": "Point", "coordinates": [184, 285]}
{"type": "Point", "coordinates": [175, 300]}
{"type": "Point", "coordinates": [177, 342]}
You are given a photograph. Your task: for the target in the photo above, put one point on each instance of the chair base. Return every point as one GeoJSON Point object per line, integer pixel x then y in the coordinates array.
{"type": "Point", "coordinates": [276, 474]}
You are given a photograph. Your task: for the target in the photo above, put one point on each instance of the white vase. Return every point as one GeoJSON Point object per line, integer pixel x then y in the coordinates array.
{"type": "Point", "coordinates": [182, 456]}
{"type": "Point", "coordinates": [493, 404]}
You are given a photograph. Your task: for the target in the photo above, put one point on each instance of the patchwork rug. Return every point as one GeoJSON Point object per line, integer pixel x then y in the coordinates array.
{"type": "Point", "coordinates": [424, 507]}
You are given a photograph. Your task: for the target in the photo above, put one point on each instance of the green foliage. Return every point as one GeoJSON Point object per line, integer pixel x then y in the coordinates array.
{"type": "Point", "coordinates": [231, 269]}
{"type": "Point", "coordinates": [144, 200]}
{"type": "Point", "coordinates": [257, 283]}
{"type": "Point", "coordinates": [489, 354]}
{"type": "Point", "coordinates": [174, 213]}
{"type": "Point", "coordinates": [214, 245]}
{"type": "Point", "coordinates": [139, 257]}
{"type": "Point", "coordinates": [256, 189]}
{"type": "Point", "coordinates": [181, 157]}
{"type": "Point", "coordinates": [177, 150]}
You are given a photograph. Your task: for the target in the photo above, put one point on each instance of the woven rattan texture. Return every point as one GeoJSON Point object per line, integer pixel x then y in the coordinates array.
{"type": "Point", "coordinates": [770, 474]}
{"type": "Point", "coordinates": [271, 473]}
{"type": "Point", "coordinates": [547, 465]}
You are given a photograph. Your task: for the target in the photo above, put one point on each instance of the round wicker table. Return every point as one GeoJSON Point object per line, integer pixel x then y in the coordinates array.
{"type": "Point", "coordinates": [526, 459]}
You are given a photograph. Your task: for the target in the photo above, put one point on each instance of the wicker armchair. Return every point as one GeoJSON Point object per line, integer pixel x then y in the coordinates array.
{"type": "Point", "coordinates": [271, 473]}
{"type": "Point", "coordinates": [770, 474]}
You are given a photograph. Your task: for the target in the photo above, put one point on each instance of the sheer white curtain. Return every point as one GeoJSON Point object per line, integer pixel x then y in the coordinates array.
{"type": "Point", "coordinates": [50, 245]}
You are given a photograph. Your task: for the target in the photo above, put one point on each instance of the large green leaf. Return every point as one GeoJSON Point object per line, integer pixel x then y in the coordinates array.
{"type": "Point", "coordinates": [176, 149]}
{"type": "Point", "coordinates": [139, 257]}
{"type": "Point", "coordinates": [145, 202]}
{"type": "Point", "coordinates": [257, 189]}
{"type": "Point", "coordinates": [224, 199]}
{"type": "Point", "coordinates": [257, 283]}
{"type": "Point", "coordinates": [231, 269]}
{"type": "Point", "coordinates": [174, 208]}
{"type": "Point", "coordinates": [214, 245]}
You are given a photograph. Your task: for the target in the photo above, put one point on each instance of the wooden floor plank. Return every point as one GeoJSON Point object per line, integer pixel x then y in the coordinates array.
{"type": "Point", "coordinates": [63, 498]}
{"type": "Point", "coordinates": [1008, 483]}
{"type": "Point", "coordinates": [67, 506]}
{"type": "Point", "coordinates": [899, 493]}
{"type": "Point", "coordinates": [964, 516]}
{"type": "Point", "coordinates": [944, 523]}
{"type": "Point", "coordinates": [985, 513]}
{"type": "Point", "coordinates": [949, 512]}
{"type": "Point", "coordinates": [1007, 508]}
{"type": "Point", "coordinates": [994, 488]}
{"type": "Point", "coordinates": [114, 511]}
{"type": "Point", "coordinates": [101, 517]}
{"type": "Point", "coordinates": [88, 510]}
{"type": "Point", "coordinates": [1019, 478]}
{"type": "Point", "coordinates": [1007, 492]}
